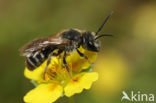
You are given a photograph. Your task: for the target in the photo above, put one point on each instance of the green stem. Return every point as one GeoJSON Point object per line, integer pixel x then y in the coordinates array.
{"type": "Point", "coordinates": [71, 99]}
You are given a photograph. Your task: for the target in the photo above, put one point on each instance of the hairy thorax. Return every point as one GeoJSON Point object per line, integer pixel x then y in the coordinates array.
{"type": "Point", "coordinates": [71, 47]}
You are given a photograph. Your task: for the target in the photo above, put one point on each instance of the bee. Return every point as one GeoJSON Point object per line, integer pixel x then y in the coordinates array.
{"type": "Point", "coordinates": [67, 41]}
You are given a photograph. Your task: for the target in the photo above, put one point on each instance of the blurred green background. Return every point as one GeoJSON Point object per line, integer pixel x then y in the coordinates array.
{"type": "Point", "coordinates": [126, 62]}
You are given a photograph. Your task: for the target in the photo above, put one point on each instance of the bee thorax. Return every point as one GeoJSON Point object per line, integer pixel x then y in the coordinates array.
{"type": "Point", "coordinates": [70, 48]}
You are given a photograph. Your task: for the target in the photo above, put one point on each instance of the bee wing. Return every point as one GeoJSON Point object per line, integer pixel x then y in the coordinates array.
{"type": "Point", "coordinates": [40, 43]}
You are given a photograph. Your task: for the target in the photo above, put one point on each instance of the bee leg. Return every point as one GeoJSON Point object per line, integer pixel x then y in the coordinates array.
{"type": "Point", "coordinates": [49, 59]}
{"type": "Point", "coordinates": [48, 62]}
{"type": "Point", "coordinates": [83, 55]}
{"type": "Point", "coordinates": [65, 64]}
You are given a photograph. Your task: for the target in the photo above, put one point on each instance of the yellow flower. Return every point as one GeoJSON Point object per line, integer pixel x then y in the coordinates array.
{"type": "Point", "coordinates": [57, 81]}
{"type": "Point", "coordinates": [80, 82]}
{"type": "Point", "coordinates": [49, 91]}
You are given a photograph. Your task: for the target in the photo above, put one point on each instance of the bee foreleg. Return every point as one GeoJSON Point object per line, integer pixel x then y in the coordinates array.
{"type": "Point", "coordinates": [65, 64]}
{"type": "Point", "coordinates": [83, 55]}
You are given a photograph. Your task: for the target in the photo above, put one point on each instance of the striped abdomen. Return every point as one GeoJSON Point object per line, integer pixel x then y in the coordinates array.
{"type": "Point", "coordinates": [38, 58]}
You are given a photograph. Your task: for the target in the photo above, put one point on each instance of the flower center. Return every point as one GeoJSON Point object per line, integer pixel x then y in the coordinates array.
{"type": "Point", "coordinates": [57, 73]}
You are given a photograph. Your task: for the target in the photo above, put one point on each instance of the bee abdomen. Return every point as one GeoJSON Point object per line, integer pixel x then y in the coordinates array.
{"type": "Point", "coordinates": [38, 58]}
{"type": "Point", "coordinates": [34, 61]}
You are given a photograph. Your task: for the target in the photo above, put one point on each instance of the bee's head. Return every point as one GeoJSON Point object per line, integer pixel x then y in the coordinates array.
{"type": "Point", "coordinates": [89, 42]}
{"type": "Point", "coordinates": [90, 39]}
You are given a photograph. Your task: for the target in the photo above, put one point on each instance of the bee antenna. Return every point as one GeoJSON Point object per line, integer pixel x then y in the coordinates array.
{"type": "Point", "coordinates": [104, 23]}
{"type": "Point", "coordinates": [101, 35]}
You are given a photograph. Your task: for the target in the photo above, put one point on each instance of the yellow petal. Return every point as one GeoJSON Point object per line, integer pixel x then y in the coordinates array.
{"type": "Point", "coordinates": [80, 82]}
{"type": "Point", "coordinates": [44, 93]}
{"type": "Point", "coordinates": [79, 63]}
{"type": "Point", "coordinates": [37, 74]}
